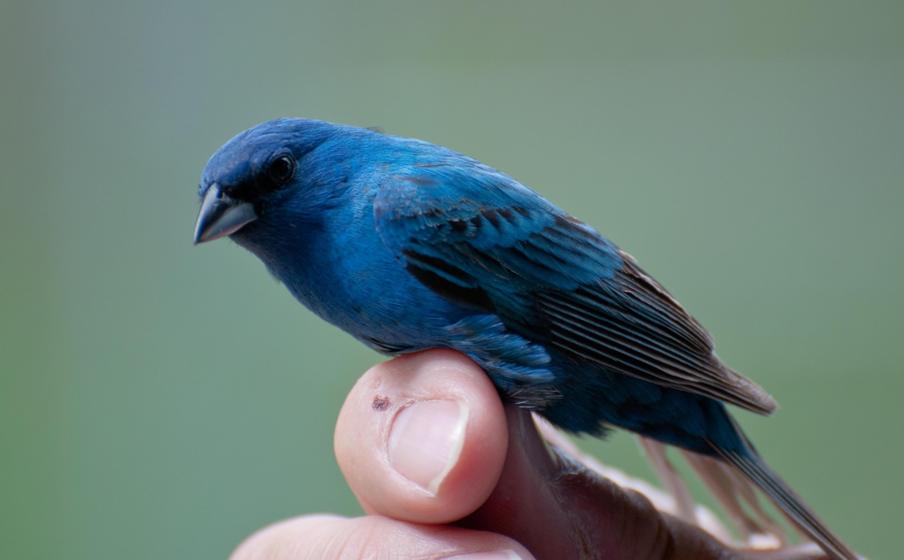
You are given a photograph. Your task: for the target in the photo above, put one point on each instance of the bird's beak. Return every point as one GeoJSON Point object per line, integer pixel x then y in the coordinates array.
{"type": "Point", "coordinates": [221, 215]}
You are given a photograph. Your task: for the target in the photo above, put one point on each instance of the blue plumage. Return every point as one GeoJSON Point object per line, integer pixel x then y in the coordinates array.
{"type": "Point", "coordinates": [407, 245]}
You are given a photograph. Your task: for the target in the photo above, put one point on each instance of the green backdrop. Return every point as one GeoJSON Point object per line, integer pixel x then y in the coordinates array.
{"type": "Point", "coordinates": [163, 401]}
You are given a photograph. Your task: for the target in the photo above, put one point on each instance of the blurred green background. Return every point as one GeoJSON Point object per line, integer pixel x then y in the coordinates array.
{"type": "Point", "coordinates": [163, 401]}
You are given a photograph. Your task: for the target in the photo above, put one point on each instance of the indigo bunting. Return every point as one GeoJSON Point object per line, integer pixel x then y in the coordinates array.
{"type": "Point", "coordinates": [407, 245]}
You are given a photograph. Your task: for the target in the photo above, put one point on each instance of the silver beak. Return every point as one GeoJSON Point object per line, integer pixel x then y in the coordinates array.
{"type": "Point", "coordinates": [221, 215]}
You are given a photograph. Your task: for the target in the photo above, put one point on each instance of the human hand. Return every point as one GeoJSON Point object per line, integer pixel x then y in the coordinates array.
{"type": "Point", "coordinates": [442, 469]}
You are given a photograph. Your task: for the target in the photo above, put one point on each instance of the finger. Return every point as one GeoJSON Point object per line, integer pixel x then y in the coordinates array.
{"type": "Point", "coordinates": [422, 438]}
{"type": "Point", "coordinates": [558, 508]}
{"type": "Point", "coordinates": [706, 518]}
{"type": "Point", "coordinates": [327, 537]}
{"type": "Point", "coordinates": [583, 515]}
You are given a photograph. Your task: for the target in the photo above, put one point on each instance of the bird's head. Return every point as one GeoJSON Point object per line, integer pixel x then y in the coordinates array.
{"type": "Point", "coordinates": [254, 173]}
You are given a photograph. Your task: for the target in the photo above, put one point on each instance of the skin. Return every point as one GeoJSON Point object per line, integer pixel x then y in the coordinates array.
{"type": "Point", "coordinates": [508, 491]}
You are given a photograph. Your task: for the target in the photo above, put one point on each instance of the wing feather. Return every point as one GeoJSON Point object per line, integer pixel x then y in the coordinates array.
{"type": "Point", "coordinates": [550, 278]}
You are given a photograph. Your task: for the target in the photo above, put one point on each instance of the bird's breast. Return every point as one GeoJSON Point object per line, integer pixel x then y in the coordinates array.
{"type": "Point", "coordinates": [348, 277]}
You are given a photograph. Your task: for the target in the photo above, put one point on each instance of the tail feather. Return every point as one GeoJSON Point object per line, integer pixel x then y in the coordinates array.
{"type": "Point", "coordinates": [751, 465]}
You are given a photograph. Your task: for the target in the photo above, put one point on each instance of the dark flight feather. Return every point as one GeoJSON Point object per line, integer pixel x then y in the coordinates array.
{"type": "Point", "coordinates": [563, 283]}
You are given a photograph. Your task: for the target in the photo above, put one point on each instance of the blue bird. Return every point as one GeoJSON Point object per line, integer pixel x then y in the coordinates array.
{"type": "Point", "coordinates": [408, 246]}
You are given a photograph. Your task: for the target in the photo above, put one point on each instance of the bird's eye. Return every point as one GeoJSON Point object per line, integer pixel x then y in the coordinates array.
{"type": "Point", "coordinates": [281, 170]}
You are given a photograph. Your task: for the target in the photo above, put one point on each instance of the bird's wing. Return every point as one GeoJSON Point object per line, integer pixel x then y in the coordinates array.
{"type": "Point", "coordinates": [483, 240]}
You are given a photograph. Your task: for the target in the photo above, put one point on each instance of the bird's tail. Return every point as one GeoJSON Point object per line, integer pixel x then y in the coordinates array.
{"type": "Point", "coordinates": [752, 466]}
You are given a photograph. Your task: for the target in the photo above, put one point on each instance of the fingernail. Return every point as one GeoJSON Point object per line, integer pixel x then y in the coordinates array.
{"type": "Point", "coordinates": [496, 555]}
{"type": "Point", "coordinates": [426, 440]}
